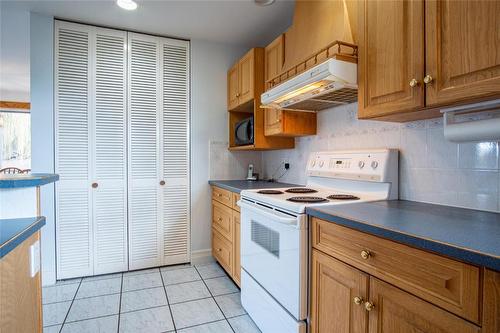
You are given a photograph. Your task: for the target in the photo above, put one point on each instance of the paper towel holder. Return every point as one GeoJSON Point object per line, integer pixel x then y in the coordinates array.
{"type": "Point", "coordinates": [471, 129]}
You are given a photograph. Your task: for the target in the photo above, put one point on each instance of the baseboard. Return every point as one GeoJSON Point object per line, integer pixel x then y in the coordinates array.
{"type": "Point", "coordinates": [202, 256]}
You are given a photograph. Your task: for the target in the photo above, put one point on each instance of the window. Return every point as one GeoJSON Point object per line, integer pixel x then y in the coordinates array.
{"type": "Point", "coordinates": [15, 140]}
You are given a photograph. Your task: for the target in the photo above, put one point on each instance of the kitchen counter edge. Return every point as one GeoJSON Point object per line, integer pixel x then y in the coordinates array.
{"type": "Point", "coordinates": [20, 229]}
{"type": "Point", "coordinates": [443, 246]}
{"type": "Point", "coordinates": [27, 180]}
{"type": "Point", "coordinates": [237, 186]}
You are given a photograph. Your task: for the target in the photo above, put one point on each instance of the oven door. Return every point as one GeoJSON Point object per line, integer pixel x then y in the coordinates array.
{"type": "Point", "coordinates": [274, 254]}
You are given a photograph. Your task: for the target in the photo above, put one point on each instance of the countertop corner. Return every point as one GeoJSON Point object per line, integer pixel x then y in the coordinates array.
{"type": "Point", "coordinates": [27, 180]}
{"type": "Point", "coordinates": [15, 231]}
{"type": "Point", "coordinates": [239, 185]}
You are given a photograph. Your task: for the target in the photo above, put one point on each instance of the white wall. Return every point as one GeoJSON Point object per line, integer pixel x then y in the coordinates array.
{"type": "Point", "coordinates": [209, 134]}
{"type": "Point", "coordinates": [431, 169]}
{"type": "Point", "coordinates": [14, 54]}
{"type": "Point", "coordinates": [42, 130]}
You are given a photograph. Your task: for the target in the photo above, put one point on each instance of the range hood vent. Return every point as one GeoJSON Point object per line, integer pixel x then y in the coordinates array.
{"type": "Point", "coordinates": [329, 84]}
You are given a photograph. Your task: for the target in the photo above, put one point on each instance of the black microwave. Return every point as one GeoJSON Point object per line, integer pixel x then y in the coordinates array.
{"type": "Point", "coordinates": [243, 132]}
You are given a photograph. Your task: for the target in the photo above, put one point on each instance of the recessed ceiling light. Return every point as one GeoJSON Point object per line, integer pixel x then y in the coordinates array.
{"type": "Point", "coordinates": [127, 4]}
{"type": "Point", "coordinates": [264, 2]}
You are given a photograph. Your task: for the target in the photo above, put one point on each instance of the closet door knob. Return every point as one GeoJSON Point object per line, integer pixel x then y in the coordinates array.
{"type": "Point", "coordinates": [95, 185]}
{"type": "Point", "coordinates": [162, 182]}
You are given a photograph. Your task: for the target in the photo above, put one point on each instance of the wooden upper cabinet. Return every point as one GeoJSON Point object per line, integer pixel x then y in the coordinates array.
{"type": "Point", "coordinates": [397, 311]}
{"type": "Point", "coordinates": [232, 87]}
{"type": "Point", "coordinates": [334, 287]}
{"type": "Point", "coordinates": [246, 77]}
{"type": "Point", "coordinates": [391, 57]}
{"type": "Point", "coordinates": [274, 58]}
{"type": "Point", "coordinates": [462, 50]}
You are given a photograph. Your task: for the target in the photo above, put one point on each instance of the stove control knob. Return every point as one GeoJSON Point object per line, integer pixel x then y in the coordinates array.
{"type": "Point", "coordinates": [361, 164]}
{"type": "Point", "coordinates": [313, 163]}
{"type": "Point", "coordinates": [321, 164]}
{"type": "Point", "coordinates": [374, 164]}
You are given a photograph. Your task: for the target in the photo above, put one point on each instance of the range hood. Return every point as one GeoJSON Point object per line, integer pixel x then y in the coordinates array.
{"type": "Point", "coordinates": [329, 84]}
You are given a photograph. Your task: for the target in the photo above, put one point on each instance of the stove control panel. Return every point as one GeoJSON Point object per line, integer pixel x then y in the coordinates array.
{"type": "Point", "coordinates": [367, 165]}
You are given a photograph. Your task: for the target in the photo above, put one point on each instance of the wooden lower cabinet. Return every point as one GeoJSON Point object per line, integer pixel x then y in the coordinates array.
{"type": "Point", "coordinates": [354, 290]}
{"type": "Point", "coordinates": [334, 287]}
{"type": "Point", "coordinates": [20, 294]}
{"type": "Point", "coordinates": [395, 311]}
{"type": "Point", "coordinates": [226, 231]}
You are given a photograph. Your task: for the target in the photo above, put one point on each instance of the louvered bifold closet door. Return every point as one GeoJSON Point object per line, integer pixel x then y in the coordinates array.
{"type": "Point", "coordinates": [175, 151]}
{"type": "Point", "coordinates": [72, 150]}
{"type": "Point", "coordinates": [143, 145]}
{"type": "Point", "coordinates": [109, 169]}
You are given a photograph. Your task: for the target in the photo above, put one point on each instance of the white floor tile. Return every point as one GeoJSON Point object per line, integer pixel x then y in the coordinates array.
{"type": "Point", "coordinates": [141, 281]}
{"type": "Point", "coordinates": [94, 288]}
{"type": "Point", "coordinates": [54, 314]}
{"type": "Point", "coordinates": [230, 305]}
{"type": "Point", "coordinates": [98, 325]}
{"type": "Point", "coordinates": [52, 329]}
{"type": "Point", "coordinates": [153, 320]}
{"type": "Point", "coordinates": [93, 307]}
{"type": "Point", "coordinates": [180, 276]}
{"type": "Point", "coordinates": [221, 285]}
{"type": "Point", "coordinates": [102, 277]}
{"type": "Point", "coordinates": [174, 267]}
{"type": "Point", "coordinates": [217, 327]}
{"type": "Point", "coordinates": [188, 291]}
{"type": "Point", "coordinates": [143, 299]}
{"type": "Point", "coordinates": [243, 324]}
{"type": "Point", "coordinates": [142, 271]}
{"type": "Point", "coordinates": [59, 293]}
{"type": "Point", "coordinates": [212, 270]}
{"type": "Point", "coordinates": [195, 313]}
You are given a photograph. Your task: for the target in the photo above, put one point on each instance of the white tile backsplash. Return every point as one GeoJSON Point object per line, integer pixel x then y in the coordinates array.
{"type": "Point", "coordinates": [225, 165]}
{"type": "Point", "coordinates": [431, 168]}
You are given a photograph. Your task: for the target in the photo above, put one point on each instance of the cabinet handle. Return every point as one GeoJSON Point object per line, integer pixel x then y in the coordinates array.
{"type": "Point", "coordinates": [237, 95]}
{"type": "Point", "coordinates": [413, 83]}
{"type": "Point", "coordinates": [369, 306]}
{"type": "Point", "coordinates": [219, 219]}
{"type": "Point", "coordinates": [428, 79]}
{"type": "Point", "coordinates": [358, 300]}
{"type": "Point", "coordinates": [162, 182]}
{"type": "Point", "coordinates": [219, 249]}
{"type": "Point", "coordinates": [95, 185]}
{"type": "Point", "coordinates": [219, 195]}
{"type": "Point", "coordinates": [365, 254]}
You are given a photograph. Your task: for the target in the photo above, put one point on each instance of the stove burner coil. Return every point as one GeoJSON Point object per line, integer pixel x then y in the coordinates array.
{"type": "Point", "coordinates": [342, 197]}
{"type": "Point", "coordinates": [301, 190]}
{"type": "Point", "coordinates": [307, 199]}
{"type": "Point", "coordinates": [270, 192]}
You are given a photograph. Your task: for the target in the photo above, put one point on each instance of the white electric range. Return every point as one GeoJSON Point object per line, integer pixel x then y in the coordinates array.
{"type": "Point", "coordinates": [274, 230]}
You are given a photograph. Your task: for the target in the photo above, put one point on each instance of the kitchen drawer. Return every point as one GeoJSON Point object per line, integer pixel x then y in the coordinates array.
{"type": "Point", "coordinates": [236, 248]}
{"type": "Point", "coordinates": [223, 196]}
{"type": "Point", "coordinates": [222, 251]}
{"type": "Point", "coordinates": [222, 217]}
{"type": "Point", "coordinates": [448, 283]}
{"type": "Point", "coordinates": [236, 198]}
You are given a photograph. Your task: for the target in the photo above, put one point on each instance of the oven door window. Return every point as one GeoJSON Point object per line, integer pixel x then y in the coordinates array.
{"type": "Point", "coordinates": [267, 238]}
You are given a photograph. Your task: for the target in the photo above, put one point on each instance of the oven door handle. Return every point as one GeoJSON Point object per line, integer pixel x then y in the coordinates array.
{"type": "Point", "coordinates": [272, 214]}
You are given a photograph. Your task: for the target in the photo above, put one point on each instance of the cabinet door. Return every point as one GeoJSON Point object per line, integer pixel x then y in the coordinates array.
{"type": "Point", "coordinates": [236, 248]}
{"type": "Point", "coordinates": [232, 87]}
{"type": "Point", "coordinates": [143, 144]}
{"type": "Point", "coordinates": [246, 77]}
{"type": "Point", "coordinates": [109, 166]}
{"type": "Point", "coordinates": [396, 311]}
{"type": "Point", "coordinates": [391, 55]}
{"type": "Point", "coordinates": [274, 59]}
{"type": "Point", "coordinates": [462, 50]}
{"type": "Point", "coordinates": [334, 287]}
{"type": "Point", "coordinates": [174, 148]}
{"type": "Point", "coordinates": [74, 228]}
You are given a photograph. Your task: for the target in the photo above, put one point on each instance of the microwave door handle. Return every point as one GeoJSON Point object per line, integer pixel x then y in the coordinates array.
{"type": "Point", "coordinates": [268, 213]}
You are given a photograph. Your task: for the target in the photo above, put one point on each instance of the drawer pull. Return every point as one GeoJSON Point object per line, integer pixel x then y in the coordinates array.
{"type": "Point", "coordinates": [358, 300]}
{"type": "Point", "coordinates": [219, 195]}
{"type": "Point", "coordinates": [219, 219]}
{"type": "Point", "coordinates": [219, 249]}
{"type": "Point", "coordinates": [365, 254]}
{"type": "Point", "coordinates": [369, 306]}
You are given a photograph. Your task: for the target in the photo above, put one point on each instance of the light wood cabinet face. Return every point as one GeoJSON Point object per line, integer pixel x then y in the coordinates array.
{"type": "Point", "coordinates": [274, 59]}
{"type": "Point", "coordinates": [232, 87]}
{"type": "Point", "coordinates": [396, 311]}
{"type": "Point", "coordinates": [462, 49]}
{"type": "Point", "coordinates": [222, 220]}
{"type": "Point", "coordinates": [272, 121]}
{"type": "Point", "coordinates": [246, 76]}
{"type": "Point", "coordinates": [391, 54]}
{"type": "Point", "coordinates": [222, 251]}
{"type": "Point", "coordinates": [236, 248]}
{"type": "Point", "coordinates": [334, 286]}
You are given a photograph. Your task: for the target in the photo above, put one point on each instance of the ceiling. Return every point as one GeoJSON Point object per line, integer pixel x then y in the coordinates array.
{"type": "Point", "coordinates": [239, 22]}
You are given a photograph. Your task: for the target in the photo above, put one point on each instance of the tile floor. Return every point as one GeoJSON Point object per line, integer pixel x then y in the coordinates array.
{"type": "Point", "coordinates": [182, 298]}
